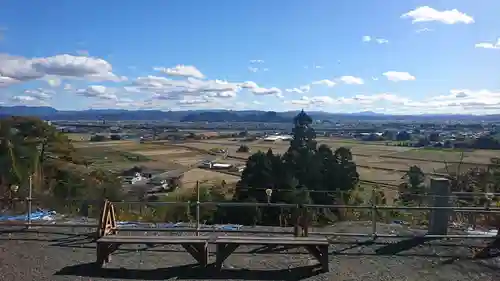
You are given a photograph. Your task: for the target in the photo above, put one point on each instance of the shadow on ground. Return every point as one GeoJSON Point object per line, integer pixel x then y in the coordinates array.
{"type": "Point", "coordinates": [189, 272]}
{"type": "Point", "coordinates": [387, 248]}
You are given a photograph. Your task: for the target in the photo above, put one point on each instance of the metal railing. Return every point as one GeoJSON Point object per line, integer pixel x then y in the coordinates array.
{"type": "Point", "coordinates": [486, 209]}
{"type": "Point", "coordinates": [198, 229]}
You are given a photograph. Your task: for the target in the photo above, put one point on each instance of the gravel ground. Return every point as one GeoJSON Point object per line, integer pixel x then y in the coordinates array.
{"type": "Point", "coordinates": [60, 254]}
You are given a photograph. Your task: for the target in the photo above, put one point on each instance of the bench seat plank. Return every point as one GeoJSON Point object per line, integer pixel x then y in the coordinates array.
{"type": "Point", "coordinates": [249, 240]}
{"type": "Point", "coordinates": [122, 239]}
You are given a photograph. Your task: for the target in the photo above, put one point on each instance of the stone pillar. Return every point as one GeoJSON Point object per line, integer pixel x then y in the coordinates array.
{"type": "Point", "coordinates": [438, 219]}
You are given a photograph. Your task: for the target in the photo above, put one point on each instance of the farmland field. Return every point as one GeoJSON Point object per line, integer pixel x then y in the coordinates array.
{"type": "Point", "coordinates": [376, 162]}
{"type": "Point", "coordinates": [121, 155]}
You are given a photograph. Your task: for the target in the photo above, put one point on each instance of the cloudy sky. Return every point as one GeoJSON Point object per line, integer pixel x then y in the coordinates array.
{"type": "Point", "coordinates": [388, 56]}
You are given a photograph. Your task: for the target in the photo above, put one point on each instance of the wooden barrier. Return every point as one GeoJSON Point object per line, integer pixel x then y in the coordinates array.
{"type": "Point", "coordinates": [107, 220]}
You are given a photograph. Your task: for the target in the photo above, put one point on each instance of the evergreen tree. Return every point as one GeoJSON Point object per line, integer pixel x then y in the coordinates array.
{"type": "Point", "coordinates": [413, 190]}
{"type": "Point", "coordinates": [302, 168]}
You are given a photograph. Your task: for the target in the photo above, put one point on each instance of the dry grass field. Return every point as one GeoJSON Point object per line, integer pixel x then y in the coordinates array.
{"type": "Point", "coordinates": [376, 161]}
{"type": "Point", "coordinates": [121, 155]}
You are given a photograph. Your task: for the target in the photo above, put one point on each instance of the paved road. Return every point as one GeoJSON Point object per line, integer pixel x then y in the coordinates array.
{"type": "Point", "coordinates": [57, 255]}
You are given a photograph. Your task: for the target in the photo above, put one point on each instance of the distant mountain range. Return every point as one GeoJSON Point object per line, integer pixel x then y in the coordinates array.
{"type": "Point", "coordinates": [49, 113]}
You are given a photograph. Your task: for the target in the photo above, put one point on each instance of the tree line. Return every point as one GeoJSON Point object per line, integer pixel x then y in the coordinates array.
{"type": "Point", "coordinates": [34, 152]}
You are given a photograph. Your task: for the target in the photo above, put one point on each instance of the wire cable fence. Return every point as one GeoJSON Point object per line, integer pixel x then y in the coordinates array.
{"type": "Point", "coordinates": [373, 208]}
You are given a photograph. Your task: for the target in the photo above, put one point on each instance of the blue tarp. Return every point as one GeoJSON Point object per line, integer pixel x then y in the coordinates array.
{"type": "Point", "coordinates": [37, 215]}
{"type": "Point", "coordinates": [51, 216]}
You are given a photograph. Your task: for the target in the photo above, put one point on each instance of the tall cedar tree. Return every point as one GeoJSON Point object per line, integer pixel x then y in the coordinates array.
{"type": "Point", "coordinates": [303, 167]}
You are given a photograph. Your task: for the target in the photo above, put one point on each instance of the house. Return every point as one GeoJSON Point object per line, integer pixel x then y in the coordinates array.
{"type": "Point", "coordinates": [215, 165]}
{"type": "Point", "coordinates": [207, 135]}
{"type": "Point", "coordinates": [167, 180]}
{"type": "Point", "coordinates": [278, 138]}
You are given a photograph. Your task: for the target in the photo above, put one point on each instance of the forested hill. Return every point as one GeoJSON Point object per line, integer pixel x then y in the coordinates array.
{"type": "Point", "coordinates": [49, 113]}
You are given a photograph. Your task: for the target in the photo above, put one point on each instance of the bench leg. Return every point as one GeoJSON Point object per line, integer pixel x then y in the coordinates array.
{"type": "Point", "coordinates": [325, 263]}
{"type": "Point", "coordinates": [100, 259]}
{"type": "Point", "coordinates": [321, 255]}
{"type": "Point", "coordinates": [103, 254]}
{"type": "Point", "coordinates": [104, 251]}
{"type": "Point", "coordinates": [199, 252]}
{"type": "Point", "coordinates": [223, 251]}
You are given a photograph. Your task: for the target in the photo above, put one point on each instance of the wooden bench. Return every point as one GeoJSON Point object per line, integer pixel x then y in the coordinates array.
{"type": "Point", "coordinates": [197, 246]}
{"type": "Point", "coordinates": [316, 246]}
{"type": "Point", "coordinates": [108, 241]}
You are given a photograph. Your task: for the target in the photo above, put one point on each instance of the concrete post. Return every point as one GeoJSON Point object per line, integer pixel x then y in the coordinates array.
{"type": "Point", "coordinates": [438, 219]}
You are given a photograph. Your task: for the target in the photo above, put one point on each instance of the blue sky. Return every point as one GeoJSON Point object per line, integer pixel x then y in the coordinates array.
{"type": "Point", "coordinates": [386, 56]}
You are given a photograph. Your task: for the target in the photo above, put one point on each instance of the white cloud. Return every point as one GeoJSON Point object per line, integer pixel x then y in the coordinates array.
{"type": "Point", "coordinates": [98, 91]}
{"type": "Point", "coordinates": [367, 39]}
{"type": "Point", "coordinates": [192, 101]}
{"type": "Point", "coordinates": [325, 82]}
{"type": "Point", "coordinates": [182, 70]}
{"type": "Point", "coordinates": [175, 89]}
{"type": "Point", "coordinates": [428, 14]}
{"type": "Point", "coordinates": [267, 91]}
{"type": "Point", "coordinates": [351, 80]}
{"type": "Point", "coordinates": [489, 45]}
{"type": "Point", "coordinates": [24, 69]}
{"type": "Point", "coordinates": [23, 99]}
{"type": "Point", "coordinates": [463, 101]}
{"type": "Point", "coordinates": [300, 90]}
{"type": "Point", "coordinates": [18, 68]}
{"type": "Point", "coordinates": [314, 66]}
{"type": "Point", "coordinates": [27, 100]}
{"type": "Point", "coordinates": [397, 76]}
{"type": "Point", "coordinates": [225, 94]}
{"type": "Point", "coordinates": [256, 61]}
{"type": "Point", "coordinates": [169, 89]}
{"type": "Point", "coordinates": [370, 99]}
{"type": "Point", "coordinates": [316, 101]}
{"type": "Point", "coordinates": [40, 94]}
{"type": "Point", "coordinates": [71, 66]}
{"type": "Point", "coordinates": [249, 85]}
{"type": "Point", "coordinates": [7, 81]}
{"type": "Point", "coordinates": [256, 69]}
{"type": "Point", "coordinates": [425, 29]}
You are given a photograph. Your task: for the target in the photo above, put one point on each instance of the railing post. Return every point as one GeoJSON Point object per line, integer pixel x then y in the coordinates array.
{"type": "Point", "coordinates": [438, 219]}
{"type": "Point", "coordinates": [374, 214]}
{"type": "Point", "coordinates": [197, 208]}
{"type": "Point", "coordinates": [30, 194]}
